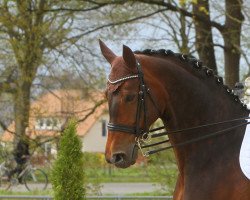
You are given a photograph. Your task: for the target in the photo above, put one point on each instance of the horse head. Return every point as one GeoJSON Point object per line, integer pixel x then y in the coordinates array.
{"type": "Point", "coordinates": [129, 106]}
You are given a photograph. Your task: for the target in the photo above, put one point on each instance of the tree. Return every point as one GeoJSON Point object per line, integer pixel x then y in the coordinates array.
{"type": "Point", "coordinates": [25, 25]}
{"type": "Point", "coordinates": [68, 172]}
{"type": "Point", "coordinates": [231, 30]}
{"type": "Point", "coordinates": [232, 40]}
{"type": "Point", "coordinates": [36, 39]}
{"type": "Point", "coordinates": [204, 36]}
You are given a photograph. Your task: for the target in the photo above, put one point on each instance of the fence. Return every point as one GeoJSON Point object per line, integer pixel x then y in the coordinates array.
{"type": "Point", "coordinates": [88, 197]}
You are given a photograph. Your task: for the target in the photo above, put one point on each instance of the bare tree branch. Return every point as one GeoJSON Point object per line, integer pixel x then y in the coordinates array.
{"type": "Point", "coordinates": [167, 5]}
{"type": "Point", "coordinates": [97, 105]}
{"type": "Point", "coordinates": [117, 23]}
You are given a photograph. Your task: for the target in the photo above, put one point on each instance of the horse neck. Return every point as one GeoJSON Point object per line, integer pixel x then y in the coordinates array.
{"type": "Point", "coordinates": [193, 99]}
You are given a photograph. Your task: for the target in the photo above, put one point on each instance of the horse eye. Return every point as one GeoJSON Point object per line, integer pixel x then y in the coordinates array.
{"type": "Point", "coordinates": [129, 98]}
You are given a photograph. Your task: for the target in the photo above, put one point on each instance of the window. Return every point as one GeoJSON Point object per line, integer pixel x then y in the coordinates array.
{"type": "Point", "coordinates": [40, 122]}
{"type": "Point", "coordinates": [55, 122]}
{"type": "Point", "coordinates": [47, 148]}
{"type": "Point", "coordinates": [48, 123]}
{"type": "Point", "coordinates": [104, 128]}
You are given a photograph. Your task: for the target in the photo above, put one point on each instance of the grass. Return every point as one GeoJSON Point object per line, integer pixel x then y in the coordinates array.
{"type": "Point", "coordinates": [160, 169]}
{"type": "Point", "coordinates": [48, 192]}
{"type": "Point", "coordinates": [107, 175]}
{"type": "Point", "coordinates": [111, 174]}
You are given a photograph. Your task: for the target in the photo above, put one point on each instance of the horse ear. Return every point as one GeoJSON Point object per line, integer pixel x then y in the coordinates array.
{"type": "Point", "coordinates": [129, 57]}
{"type": "Point", "coordinates": [106, 52]}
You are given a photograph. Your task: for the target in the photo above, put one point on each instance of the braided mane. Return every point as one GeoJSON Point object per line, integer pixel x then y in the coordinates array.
{"type": "Point", "coordinates": [196, 64]}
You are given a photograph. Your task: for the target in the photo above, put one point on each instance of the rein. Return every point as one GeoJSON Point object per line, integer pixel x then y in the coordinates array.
{"type": "Point", "coordinates": [207, 136]}
{"type": "Point", "coordinates": [142, 135]}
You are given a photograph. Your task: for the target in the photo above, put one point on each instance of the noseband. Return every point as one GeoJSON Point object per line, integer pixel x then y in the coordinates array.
{"type": "Point", "coordinates": [141, 107]}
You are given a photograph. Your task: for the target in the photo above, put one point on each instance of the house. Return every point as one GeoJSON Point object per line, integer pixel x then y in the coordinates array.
{"type": "Point", "coordinates": [48, 114]}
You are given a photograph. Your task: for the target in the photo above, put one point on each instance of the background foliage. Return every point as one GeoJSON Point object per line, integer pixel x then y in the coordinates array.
{"type": "Point", "coordinates": [68, 171]}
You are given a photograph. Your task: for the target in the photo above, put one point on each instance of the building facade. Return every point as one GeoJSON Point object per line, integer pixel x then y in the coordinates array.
{"type": "Point", "coordinates": [50, 113]}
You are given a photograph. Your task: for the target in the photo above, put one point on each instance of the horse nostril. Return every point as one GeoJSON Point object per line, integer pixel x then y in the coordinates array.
{"type": "Point", "coordinates": [118, 158]}
{"type": "Point", "coordinates": [108, 160]}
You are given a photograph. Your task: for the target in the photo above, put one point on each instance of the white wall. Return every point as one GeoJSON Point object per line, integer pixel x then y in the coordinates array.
{"type": "Point", "coordinates": [93, 141]}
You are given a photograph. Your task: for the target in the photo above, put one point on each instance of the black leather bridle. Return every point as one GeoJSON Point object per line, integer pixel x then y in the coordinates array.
{"type": "Point", "coordinates": [141, 107]}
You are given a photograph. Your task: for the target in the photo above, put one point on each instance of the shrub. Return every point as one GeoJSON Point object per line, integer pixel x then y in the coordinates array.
{"type": "Point", "coordinates": [68, 173]}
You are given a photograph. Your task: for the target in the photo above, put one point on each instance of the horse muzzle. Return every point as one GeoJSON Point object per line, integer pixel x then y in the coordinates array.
{"type": "Point", "coordinates": [122, 159]}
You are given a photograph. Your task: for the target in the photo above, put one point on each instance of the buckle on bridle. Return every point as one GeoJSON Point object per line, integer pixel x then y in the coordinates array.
{"type": "Point", "coordinates": [146, 138]}
{"type": "Point", "coordinates": [138, 141]}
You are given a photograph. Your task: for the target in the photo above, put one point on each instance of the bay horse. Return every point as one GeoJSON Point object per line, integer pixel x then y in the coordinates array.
{"type": "Point", "coordinates": [147, 85]}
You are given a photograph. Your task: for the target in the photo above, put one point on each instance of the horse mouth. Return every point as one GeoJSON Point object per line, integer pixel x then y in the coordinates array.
{"type": "Point", "coordinates": [121, 160]}
{"type": "Point", "coordinates": [124, 164]}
